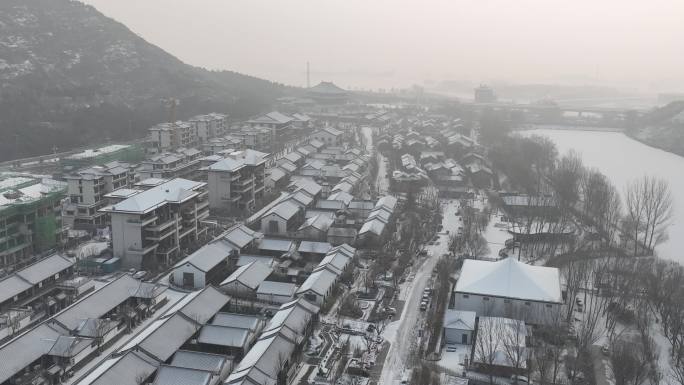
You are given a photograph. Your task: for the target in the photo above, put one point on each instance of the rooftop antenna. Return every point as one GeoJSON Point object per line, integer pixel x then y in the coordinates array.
{"type": "Point", "coordinates": [308, 77]}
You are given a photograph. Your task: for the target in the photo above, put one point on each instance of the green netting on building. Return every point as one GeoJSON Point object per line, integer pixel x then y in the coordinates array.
{"type": "Point", "coordinates": [45, 230]}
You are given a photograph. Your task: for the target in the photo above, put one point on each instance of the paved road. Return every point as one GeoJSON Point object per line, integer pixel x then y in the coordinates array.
{"type": "Point", "coordinates": [403, 334]}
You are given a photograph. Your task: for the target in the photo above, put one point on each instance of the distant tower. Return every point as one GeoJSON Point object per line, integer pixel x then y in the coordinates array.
{"type": "Point", "coordinates": [308, 77]}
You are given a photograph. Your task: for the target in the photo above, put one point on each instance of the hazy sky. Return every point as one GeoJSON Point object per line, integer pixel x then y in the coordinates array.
{"type": "Point", "coordinates": [395, 43]}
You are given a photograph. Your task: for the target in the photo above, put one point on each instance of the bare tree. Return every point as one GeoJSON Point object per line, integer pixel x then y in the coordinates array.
{"type": "Point", "coordinates": [513, 343]}
{"type": "Point", "coordinates": [487, 344]}
{"type": "Point", "coordinates": [657, 210]}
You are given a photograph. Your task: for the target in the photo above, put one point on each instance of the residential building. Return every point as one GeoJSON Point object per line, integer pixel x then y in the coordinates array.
{"type": "Point", "coordinates": [151, 227]}
{"type": "Point", "coordinates": [183, 163]}
{"type": "Point", "coordinates": [208, 126]}
{"type": "Point", "coordinates": [329, 135]}
{"type": "Point", "coordinates": [458, 327]}
{"type": "Point", "coordinates": [238, 181]}
{"type": "Point", "coordinates": [245, 281]}
{"type": "Point", "coordinates": [30, 217]}
{"type": "Point", "coordinates": [279, 123]}
{"type": "Point", "coordinates": [87, 190]}
{"type": "Point", "coordinates": [170, 136]}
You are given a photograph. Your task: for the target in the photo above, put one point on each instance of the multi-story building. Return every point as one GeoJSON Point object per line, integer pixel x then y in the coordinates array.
{"type": "Point", "coordinates": [237, 181]}
{"type": "Point", "coordinates": [170, 136]}
{"type": "Point", "coordinates": [257, 138]}
{"type": "Point", "coordinates": [208, 126]}
{"type": "Point", "coordinates": [180, 164]}
{"type": "Point", "coordinates": [228, 142]}
{"type": "Point", "coordinates": [30, 217]}
{"type": "Point", "coordinates": [279, 124]}
{"type": "Point", "coordinates": [86, 190]}
{"type": "Point", "coordinates": [153, 226]}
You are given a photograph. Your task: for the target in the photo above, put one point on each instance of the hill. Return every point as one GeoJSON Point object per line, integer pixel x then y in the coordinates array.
{"type": "Point", "coordinates": [662, 127]}
{"type": "Point", "coordinates": [70, 76]}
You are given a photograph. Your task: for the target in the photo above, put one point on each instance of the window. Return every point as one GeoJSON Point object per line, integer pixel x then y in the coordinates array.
{"type": "Point", "coordinates": [273, 226]}
{"type": "Point", "coordinates": [507, 301]}
{"type": "Point", "coordinates": [527, 304]}
{"type": "Point", "coordinates": [466, 296]}
{"type": "Point", "coordinates": [485, 298]}
{"type": "Point", "coordinates": [548, 305]}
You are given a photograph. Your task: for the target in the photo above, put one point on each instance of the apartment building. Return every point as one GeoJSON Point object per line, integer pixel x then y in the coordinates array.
{"type": "Point", "coordinates": [87, 190]}
{"type": "Point", "coordinates": [208, 126]}
{"type": "Point", "coordinates": [183, 163]}
{"type": "Point", "coordinates": [257, 138]}
{"type": "Point", "coordinates": [153, 226]}
{"type": "Point", "coordinates": [170, 136]}
{"type": "Point", "coordinates": [30, 217]}
{"type": "Point", "coordinates": [228, 142]}
{"type": "Point", "coordinates": [237, 181]}
{"type": "Point", "coordinates": [279, 124]}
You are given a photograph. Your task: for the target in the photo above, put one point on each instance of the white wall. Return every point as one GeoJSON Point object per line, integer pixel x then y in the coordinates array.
{"type": "Point", "coordinates": [199, 276]}
{"type": "Point", "coordinates": [125, 235]}
{"type": "Point", "coordinates": [454, 336]}
{"type": "Point", "coordinates": [219, 189]}
{"type": "Point", "coordinates": [265, 224]}
{"type": "Point", "coordinates": [528, 311]}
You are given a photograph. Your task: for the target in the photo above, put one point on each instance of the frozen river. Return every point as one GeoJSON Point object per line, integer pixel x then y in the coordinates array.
{"type": "Point", "coordinates": [623, 159]}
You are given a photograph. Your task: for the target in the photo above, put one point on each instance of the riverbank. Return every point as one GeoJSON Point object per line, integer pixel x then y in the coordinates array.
{"type": "Point", "coordinates": [623, 159]}
{"type": "Point", "coordinates": [651, 142]}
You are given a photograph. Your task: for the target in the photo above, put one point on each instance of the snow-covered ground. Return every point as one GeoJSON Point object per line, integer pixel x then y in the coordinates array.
{"type": "Point", "coordinates": [496, 235]}
{"type": "Point", "coordinates": [454, 360]}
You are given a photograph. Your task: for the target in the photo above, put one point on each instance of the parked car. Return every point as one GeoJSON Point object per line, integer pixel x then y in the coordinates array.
{"type": "Point", "coordinates": [520, 379]}
{"type": "Point", "coordinates": [423, 306]}
{"type": "Point", "coordinates": [140, 274]}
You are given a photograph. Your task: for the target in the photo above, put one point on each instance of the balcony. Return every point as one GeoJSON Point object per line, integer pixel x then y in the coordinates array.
{"type": "Point", "coordinates": [142, 250]}
{"type": "Point", "coordinates": [142, 221]}
{"type": "Point", "coordinates": [202, 205]}
{"type": "Point", "coordinates": [164, 225]}
{"type": "Point", "coordinates": [159, 236]}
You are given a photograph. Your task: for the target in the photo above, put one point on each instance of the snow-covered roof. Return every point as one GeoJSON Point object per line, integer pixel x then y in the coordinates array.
{"type": "Point", "coordinates": [277, 288]}
{"type": "Point", "coordinates": [239, 321]}
{"type": "Point", "coordinates": [285, 210]}
{"type": "Point", "coordinates": [319, 282]}
{"type": "Point", "coordinates": [335, 262]}
{"type": "Point", "coordinates": [314, 247]}
{"type": "Point", "coordinates": [125, 369]}
{"type": "Point", "coordinates": [272, 244]}
{"type": "Point", "coordinates": [240, 235]}
{"type": "Point", "coordinates": [174, 191]}
{"type": "Point", "coordinates": [510, 278]}
{"type": "Point", "coordinates": [172, 375]}
{"type": "Point", "coordinates": [341, 196]}
{"type": "Point", "coordinates": [320, 222]}
{"type": "Point", "coordinates": [250, 275]}
{"type": "Point", "coordinates": [459, 319]}
{"type": "Point", "coordinates": [374, 226]}
{"type": "Point", "coordinates": [388, 201]}
{"type": "Point", "coordinates": [224, 336]}
{"type": "Point", "coordinates": [199, 360]}
{"type": "Point", "coordinates": [208, 256]}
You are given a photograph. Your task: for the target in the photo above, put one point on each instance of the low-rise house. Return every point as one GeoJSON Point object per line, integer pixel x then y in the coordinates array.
{"type": "Point", "coordinates": [318, 286]}
{"type": "Point", "coordinates": [341, 235]}
{"type": "Point", "coordinates": [282, 219]}
{"type": "Point", "coordinates": [316, 228]}
{"type": "Point", "coordinates": [275, 247]}
{"type": "Point", "coordinates": [246, 279]}
{"type": "Point", "coordinates": [276, 292]}
{"type": "Point", "coordinates": [205, 266]}
{"type": "Point", "coordinates": [314, 251]}
{"type": "Point", "coordinates": [458, 327]}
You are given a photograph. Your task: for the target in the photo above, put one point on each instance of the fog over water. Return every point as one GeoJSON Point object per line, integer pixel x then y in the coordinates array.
{"type": "Point", "coordinates": [622, 160]}
{"type": "Point", "coordinates": [396, 43]}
